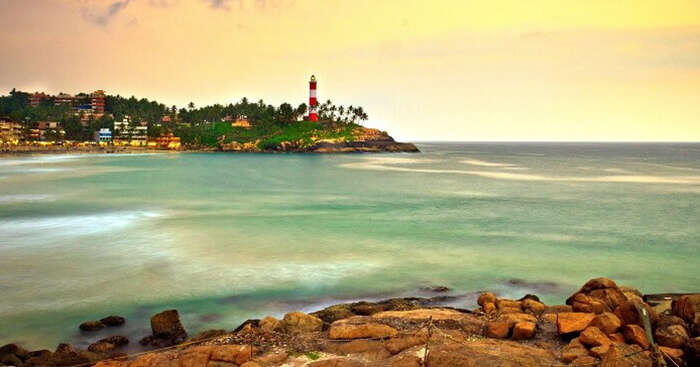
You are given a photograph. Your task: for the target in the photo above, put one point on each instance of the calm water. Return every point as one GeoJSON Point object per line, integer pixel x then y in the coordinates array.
{"type": "Point", "coordinates": [226, 237]}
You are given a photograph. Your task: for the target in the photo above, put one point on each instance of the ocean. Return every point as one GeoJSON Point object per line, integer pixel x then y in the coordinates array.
{"type": "Point", "coordinates": [227, 237]}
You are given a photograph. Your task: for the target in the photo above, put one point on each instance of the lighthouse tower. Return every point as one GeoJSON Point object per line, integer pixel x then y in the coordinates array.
{"type": "Point", "coordinates": [313, 102]}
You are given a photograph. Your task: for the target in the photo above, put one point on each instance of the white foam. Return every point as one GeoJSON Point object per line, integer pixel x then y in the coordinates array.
{"type": "Point", "coordinates": [476, 162]}
{"type": "Point", "coordinates": [25, 198]}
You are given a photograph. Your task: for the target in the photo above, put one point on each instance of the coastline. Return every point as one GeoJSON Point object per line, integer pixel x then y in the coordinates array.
{"type": "Point", "coordinates": [597, 325]}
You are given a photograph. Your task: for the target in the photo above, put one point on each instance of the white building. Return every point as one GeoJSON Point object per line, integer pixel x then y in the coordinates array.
{"type": "Point", "coordinates": [127, 132]}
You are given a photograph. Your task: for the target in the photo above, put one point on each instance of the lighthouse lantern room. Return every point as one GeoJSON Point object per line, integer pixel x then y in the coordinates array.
{"type": "Point", "coordinates": [313, 102]}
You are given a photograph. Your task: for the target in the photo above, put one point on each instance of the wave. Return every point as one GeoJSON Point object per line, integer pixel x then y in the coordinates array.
{"type": "Point", "coordinates": [25, 198]}
{"type": "Point", "coordinates": [476, 162]}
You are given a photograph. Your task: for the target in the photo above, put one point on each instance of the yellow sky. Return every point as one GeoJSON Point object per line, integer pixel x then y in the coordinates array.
{"type": "Point", "coordinates": [424, 70]}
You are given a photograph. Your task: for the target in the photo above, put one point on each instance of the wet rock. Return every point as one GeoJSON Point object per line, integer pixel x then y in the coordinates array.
{"type": "Point", "coordinates": [634, 334]}
{"type": "Point", "coordinates": [299, 322]}
{"type": "Point", "coordinates": [524, 330]}
{"type": "Point", "coordinates": [13, 349]}
{"type": "Point", "coordinates": [356, 328]}
{"type": "Point", "coordinates": [167, 330]}
{"type": "Point", "coordinates": [686, 306]}
{"type": "Point", "coordinates": [113, 321]}
{"type": "Point", "coordinates": [436, 289]}
{"type": "Point", "coordinates": [672, 336]}
{"type": "Point", "coordinates": [334, 313]}
{"type": "Point", "coordinates": [569, 322]}
{"type": "Point", "coordinates": [91, 325]}
{"type": "Point", "coordinates": [607, 322]}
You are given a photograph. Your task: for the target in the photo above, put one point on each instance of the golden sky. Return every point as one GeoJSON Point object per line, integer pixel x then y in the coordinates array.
{"type": "Point", "coordinates": [423, 70]}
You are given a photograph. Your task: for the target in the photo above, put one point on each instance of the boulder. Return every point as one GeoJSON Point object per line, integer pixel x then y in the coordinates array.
{"type": "Point", "coordinates": [91, 325]}
{"type": "Point", "coordinates": [486, 297]}
{"type": "Point", "coordinates": [634, 334]}
{"type": "Point", "coordinates": [693, 350]}
{"type": "Point", "coordinates": [11, 360]}
{"type": "Point", "coordinates": [299, 322]}
{"type": "Point", "coordinates": [498, 329]}
{"type": "Point", "coordinates": [617, 338]}
{"type": "Point", "coordinates": [668, 320]}
{"type": "Point", "coordinates": [207, 334]}
{"type": "Point", "coordinates": [601, 295]}
{"type": "Point", "coordinates": [232, 353]}
{"type": "Point", "coordinates": [686, 306]}
{"type": "Point", "coordinates": [489, 307]}
{"type": "Point", "coordinates": [270, 324]}
{"type": "Point", "coordinates": [672, 336]}
{"type": "Point", "coordinates": [673, 355]}
{"type": "Point", "coordinates": [524, 330]}
{"type": "Point", "coordinates": [569, 322]}
{"type": "Point", "coordinates": [593, 337]}
{"type": "Point", "coordinates": [558, 309]}
{"type": "Point", "coordinates": [607, 322]}
{"type": "Point", "coordinates": [583, 361]}
{"type": "Point", "coordinates": [489, 352]}
{"type": "Point", "coordinates": [508, 306]}
{"type": "Point", "coordinates": [572, 352]}
{"type": "Point", "coordinates": [108, 344]}
{"type": "Point", "coordinates": [357, 328]}
{"type": "Point", "coordinates": [399, 344]}
{"type": "Point", "coordinates": [13, 349]}
{"type": "Point", "coordinates": [167, 330]}
{"type": "Point", "coordinates": [628, 313]}
{"type": "Point", "coordinates": [533, 307]}
{"type": "Point", "coordinates": [334, 313]}
{"type": "Point", "coordinates": [422, 314]}
{"type": "Point", "coordinates": [631, 293]}
{"type": "Point", "coordinates": [337, 362]}
{"type": "Point", "coordinates": [622, 355]}
{"type": "Point", "coordinates": [113, 321]}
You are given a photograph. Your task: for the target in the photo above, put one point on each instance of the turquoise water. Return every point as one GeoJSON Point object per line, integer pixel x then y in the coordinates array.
{"type": "Point", "coordinates": [226, 237]}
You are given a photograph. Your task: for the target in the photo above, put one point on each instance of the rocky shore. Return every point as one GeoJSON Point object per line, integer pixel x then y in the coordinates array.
{"type": "Point", "coordinates": [602, 324]}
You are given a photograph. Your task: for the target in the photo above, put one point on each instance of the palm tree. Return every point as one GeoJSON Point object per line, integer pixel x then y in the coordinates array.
{"type": "Point", "coordinates": [190, 106]}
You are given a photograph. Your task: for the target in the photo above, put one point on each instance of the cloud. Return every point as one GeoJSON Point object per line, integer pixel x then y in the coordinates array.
{"type": "Point", "coordinates": [103, 18]}
{"type": "Point", "coordinates": [218, 4]}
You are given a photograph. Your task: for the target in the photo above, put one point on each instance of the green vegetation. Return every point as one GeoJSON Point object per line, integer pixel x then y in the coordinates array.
{"type": "Point", "coordinates": [205, 126]}
{"type": "Point", "coordinates": [312, 355]}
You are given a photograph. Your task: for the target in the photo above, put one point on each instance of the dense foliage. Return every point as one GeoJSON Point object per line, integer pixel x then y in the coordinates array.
{"type": "Point", "coordinates": [208, 125]}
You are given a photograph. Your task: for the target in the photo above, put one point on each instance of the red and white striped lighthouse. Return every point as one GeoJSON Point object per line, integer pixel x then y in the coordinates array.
{"type": "Point", "coordinates": [313, 102]}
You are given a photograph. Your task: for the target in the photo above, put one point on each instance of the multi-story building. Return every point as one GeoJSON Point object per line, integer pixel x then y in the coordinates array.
{"type": "Point", "coordinates": [64, 99]}
{"type": "Point", "coordinates": [10, 132]}
{"type": "Point", "coordinates": [97, 99]}
{"type": "Point", "coordinates": [104, 136]}
{"type": "Point", "coordinates": [166, 141]}
{"type": "Point", "coordinates": [126, 132]}
{"type": "Point", "coordinates": [36, 98]}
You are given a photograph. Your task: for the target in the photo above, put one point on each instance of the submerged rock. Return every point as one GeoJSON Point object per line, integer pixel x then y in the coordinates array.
{"type": "Point", "coordinates": [113, 321]}
{"type": "Point", "coordinates": [91, 325]}
{"type": "Point", "coordinates": [167, 330]}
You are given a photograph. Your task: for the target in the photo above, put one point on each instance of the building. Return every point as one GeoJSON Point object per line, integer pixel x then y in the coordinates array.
{"type": "Point", "coordinates": [241, 121]}
{"type": "Point", "coordinates": [313, 101]}
{"type": "Point", "coordinates": [97, 100]}
{"type": "Point", "coordinates": [64, 99]}
{"type": "Point", "coordinates": [126, 132]}
{"type": "Point", "coordinates": [104, 136]}
{"type": "Point", "coordinates": [10, 132]}
{"type": "Point", "coordinates": [36, 98]}
{"type": "Point", "coordinates": [166, 141]}
{"type": "Point", "coordinates": [47, 130]}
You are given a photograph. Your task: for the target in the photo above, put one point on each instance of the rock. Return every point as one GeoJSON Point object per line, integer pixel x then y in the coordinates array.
{"type": "Point", "coordinates": [422, 314]}
{"type": "Point", "coordinates": [617, 338]}
{"type": "Point", "coordinates": [436, 289]}
{"type": "Point", "coordinates": [250, 364]}
{"type": "Point", "coordinates": [270, 324]}
{"type": "Point", "coordinates": [635, 334]}
{"type": "Point", "coordinates": [668, 320]}
{"type": "Point", "coordinates": [91, 325]}
{"type": "Point", "coordinates": [607, 322]}
{"type": "Point", "coordinates": [516, 317]}
{"type": "Point", "coordinates": [695, 327]}
{"type": "Point", "coordinates": [631, 293]}
{"type": "Point", "coordinates": [11, 360]}
{"type": "Point", "coordinates": [101, 347]}
{"type": "Point", "coordinates": [571, 353]}
{"type": "Point", "coordinates": [246, 326]}
{"type": "Point", "coordinates": [208, 334]}
{"type": "Point", "coordinates": [583, 361]}
{"type": "Point", "coordinates": [673, 355]}
{"type": "Point", "coordinates": [399, 344]}
{"type": "Point", "coordinates": [533, 307]}
{"type": "Point", "coordinates": [334, 313]}
{"type": "Point", "coordinates": [524, 330]}
{"type": "Point", "coordinates": [569, 322]}
{"type": "Point", "coordinates": [367, 350]}
{"type": "Point", "coordinates": [693, 350]}
{"type": "Point", "coordinates": [489, 352]}
{"type": "Point", "coordinates": [13, 349]}
{"type": "Point", "coordinates": [273, 357]}
{"type": "Point", "coordinates": [355, 328]}
{"type": "Point", "coordinates": [498, 329]}
{"type": "Point", "coordinates": [113, 321]}
{"type": "Point", "coordinates": [628, 313]}
{"type": "Point", "coordinates": [489, 307]}
{"type": "Point", "coordinates": [167, 324]}
{"type": "Point", "coordinates": [486, 297]}
{"type": "Point", "coordinates": [600, 350]}
{"type": "Point", "coordinates": [602, 294]}
{"type": "Point", "coordinates": [558, 309]}
{"type": "Point", "coordinates": [299, 322]}
{"type": "Point", "coordinates": [672, 336]}
{"type": "Point", "coordinates": [507, 305]}
{"type": "Point", "coordinates": [237, 354]}
{"type": "Point", "coordinates": [686, 306]}
{"type": "Point", "coordinates": [594, 337]}
{"type": "Point", "coordinates": [407, 360]}
{"type": "Point", "coordinates": [621, 355]}
{"type": "Point", "coordinates": [337, 362]}
{"type": "Point", "coordinates": [530, 297]}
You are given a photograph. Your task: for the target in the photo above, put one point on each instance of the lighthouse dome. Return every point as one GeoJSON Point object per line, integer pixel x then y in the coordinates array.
{"type": "Point", "coordinates": [313, 78]}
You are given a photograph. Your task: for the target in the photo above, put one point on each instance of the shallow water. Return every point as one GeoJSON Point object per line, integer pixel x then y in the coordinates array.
{"type": "Point", "coordinates": [226, 237]}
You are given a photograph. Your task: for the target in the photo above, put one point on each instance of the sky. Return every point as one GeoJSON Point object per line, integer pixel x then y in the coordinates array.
{"type": "Point", "coordinates": [455, 70]}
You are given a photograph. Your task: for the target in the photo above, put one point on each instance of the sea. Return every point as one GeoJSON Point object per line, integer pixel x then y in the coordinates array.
{"type": "Point", "coordinates": [225, 237]}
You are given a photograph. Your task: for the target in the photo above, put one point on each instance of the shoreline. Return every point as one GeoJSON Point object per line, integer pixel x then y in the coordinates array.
{"type": "Point", "coordinates": [596, 325]}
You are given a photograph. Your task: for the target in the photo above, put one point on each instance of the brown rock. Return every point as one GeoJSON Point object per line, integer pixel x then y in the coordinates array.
{"type": "Point", "coordinates": [489, 307]}
{"type": "Point", "coordinates": [693, 350]}
{"type": "Point", "coordinates": [237, 354]}
{"type": "Point", "coordinates": [507, 305]}
{"type": "Point", "coordinates": [533, 307]}
{"type": "Point", "coordinates": [250, 364]}
{"type": "Point", "coordinates": [593, 337]}
{"type": "Point", "coordinates": [569, 322]}
{"type": "Point", "coordinates": [672, 354]}
{"type": "Point", "coordinates": [617, 337]}
{"type": "Point", "coordinates": [166, 325]}
{"type": "Point", "coordinates": [399, 344]}
{"type": "Point", "coordinates": [571, 353]}
{"type": "Point", "coordinates": [583, 303]}
{"type": "Point", "coordinates": [13, 349]}
{"type": "Point", "coordinates": [607, 322]}
{"type": "Point", "coordinates": [485, 298]}
{"type": "Point", "coordinates": [334, 313]}
{"type": "Point", "coordinates": [113, 321]}
{"type": "Point", "coordinates": [366, 350]}
{"type": "Point", "coordinates": [498, 329]}
{"type": "Point", "coordinates": [422, 314]}
{"type": "Point", "coordinates": [634, 334]}
{"type": "Point", "coordinates": [558, 309]}
{"type": "Point", "coordinates": [524, 330]}
{"type": "Point", "coordinates": [91, 325]}
{"type": "Point", "coordinates": [299, 322]}
{"type": "Point", "coordinates": [197, 356]}
{"type": "Point", "coordinates": [583, 361]}
{"type": "Point", "coordinates": [600, 350]}
{"type": "Point", "coordinates": [337, 362]}
{"type": "Point", "coordinates": [358, 328]}
{"type": "Point", "coordinates": [273, 357]}
{"type": "Point", "coordinates": [628, 313]}
{"type": "Point", "coordinates": [270, 324]}
{"type": "Point", "coordinates": [208, 334]}
{"type": "Point", "coordinates": [686, 306]}
{"type": "Point", "coordinates": [602, 295]}
{"type": "Point", "coordinates": [11, 360]}
{"type": "Point", "coordinates": [672, 336]}
{"type": "Point", "coordinates": [489, 352]}
{"type": "Point", "coordinates": [407, 360]}
{"type": "Point", "coordinates": [622, 355]}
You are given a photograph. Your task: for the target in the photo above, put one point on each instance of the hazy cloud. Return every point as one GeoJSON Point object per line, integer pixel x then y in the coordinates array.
{"type": "Point", "coordinates": [218, 4]}
{"type": "Point", "coordinates": [103, 18]}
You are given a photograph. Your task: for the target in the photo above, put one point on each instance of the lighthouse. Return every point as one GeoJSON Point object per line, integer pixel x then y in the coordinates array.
{"type": "Point", "coordinates": [313, 102]}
